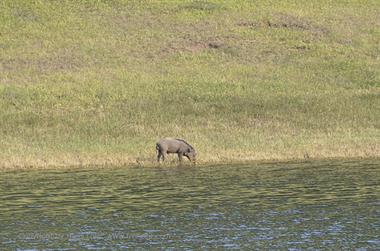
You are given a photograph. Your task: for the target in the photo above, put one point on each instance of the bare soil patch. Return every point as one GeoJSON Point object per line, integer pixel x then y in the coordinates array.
{"type": "Point", "coordinates": [285, 21]}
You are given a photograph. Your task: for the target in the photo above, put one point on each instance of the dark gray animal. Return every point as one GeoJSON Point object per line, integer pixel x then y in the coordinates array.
{"type": "Point", "coordinates": [178, 146]}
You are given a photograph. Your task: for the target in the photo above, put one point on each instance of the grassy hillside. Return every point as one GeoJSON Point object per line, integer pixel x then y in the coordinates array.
{"type": "Point", "coordinates": [92, 82]}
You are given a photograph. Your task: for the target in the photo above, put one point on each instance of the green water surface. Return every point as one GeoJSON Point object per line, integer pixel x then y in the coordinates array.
{"type": "Point", "coordinates": [326, 205]}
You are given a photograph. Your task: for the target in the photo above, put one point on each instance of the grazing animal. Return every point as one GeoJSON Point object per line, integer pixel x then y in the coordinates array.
{"type": "Point", "coordinates": [178, 146]}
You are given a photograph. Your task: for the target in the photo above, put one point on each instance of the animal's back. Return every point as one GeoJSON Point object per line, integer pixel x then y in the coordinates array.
{"type": "Point", "coordinates": [170, 144]}
{"type": "Point", "coordinates": [185, 143]}
{"type": "Point", "coordinates": [164, 143]}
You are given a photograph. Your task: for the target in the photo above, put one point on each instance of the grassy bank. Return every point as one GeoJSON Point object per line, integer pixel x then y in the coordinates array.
{"type": "Point", "coordinates": [95, 82]}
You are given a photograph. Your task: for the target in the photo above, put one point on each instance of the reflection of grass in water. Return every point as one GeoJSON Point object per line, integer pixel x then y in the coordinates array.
{"type": "Point", "coordinates": [270, 186]}
{"type": "Point", "coordinates": [280, 201]}
{"type": "Point", "coordinates": [100, 82]}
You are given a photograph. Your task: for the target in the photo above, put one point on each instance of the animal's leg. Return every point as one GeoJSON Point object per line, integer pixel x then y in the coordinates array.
{"type": "Point", "coordinates": [163, 156]}
{"type": "Point", "coordinates": [159, 156]}
{"type": "Point", "coordinates": [180, 155]}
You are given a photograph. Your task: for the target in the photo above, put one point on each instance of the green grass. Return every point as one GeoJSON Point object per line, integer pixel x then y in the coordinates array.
{"type": "Point", "coordinates": [94, 82]}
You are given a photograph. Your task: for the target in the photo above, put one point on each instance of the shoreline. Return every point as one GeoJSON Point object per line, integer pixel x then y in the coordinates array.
{"type": "Point", "coordinates": [83, 163]}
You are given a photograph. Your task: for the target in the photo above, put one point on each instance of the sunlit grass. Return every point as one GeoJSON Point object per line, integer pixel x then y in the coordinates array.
{"type": "Point", "coordinates": [94, 82]}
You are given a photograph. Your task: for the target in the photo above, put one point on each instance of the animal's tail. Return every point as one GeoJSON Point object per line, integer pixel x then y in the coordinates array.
{"type": "Point", "coordinates": [157, 147]}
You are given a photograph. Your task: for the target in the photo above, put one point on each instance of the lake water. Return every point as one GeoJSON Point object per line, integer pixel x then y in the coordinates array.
{"type": "Point", "coordinates": [332, 205]}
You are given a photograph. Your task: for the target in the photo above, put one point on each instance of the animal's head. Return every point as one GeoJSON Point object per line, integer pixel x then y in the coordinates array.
{"type": "Point", "coordinates": [191, 154]}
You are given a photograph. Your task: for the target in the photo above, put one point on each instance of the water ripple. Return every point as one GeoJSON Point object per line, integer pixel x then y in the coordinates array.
{"type": "Point", "coordinates": [294, 206]}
